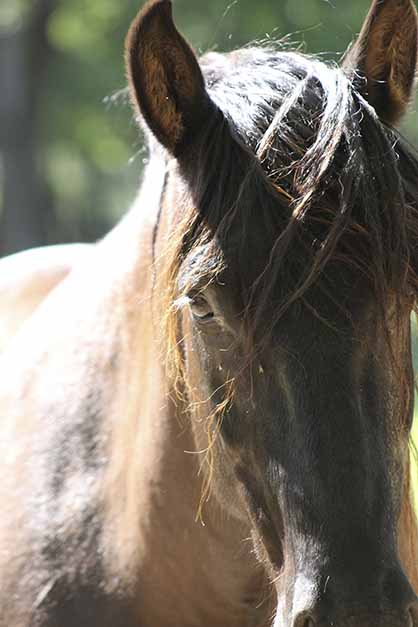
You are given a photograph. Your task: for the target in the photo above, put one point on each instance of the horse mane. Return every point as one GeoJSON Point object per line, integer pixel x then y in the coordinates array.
{"type": "Point", "coordinates": [325, 167]}
{"type": "Point", "coordinates": [294, 174]}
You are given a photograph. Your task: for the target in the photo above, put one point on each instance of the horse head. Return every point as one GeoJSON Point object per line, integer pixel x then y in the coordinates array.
{"type": "Point", "coordinates": [286, 264]}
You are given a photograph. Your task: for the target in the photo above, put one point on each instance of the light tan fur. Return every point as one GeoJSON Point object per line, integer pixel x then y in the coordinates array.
{"type": "Point", "coordinates": [27, 278]}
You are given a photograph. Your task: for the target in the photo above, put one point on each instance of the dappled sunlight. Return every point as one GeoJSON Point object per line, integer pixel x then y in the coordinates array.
{"type": "Point", "coordinates": [415, 427]}
{"type": "Point", "coordinates": [415, 459]}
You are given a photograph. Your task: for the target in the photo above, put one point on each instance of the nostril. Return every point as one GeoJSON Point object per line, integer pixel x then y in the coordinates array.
{"type": "Point", "coordinates": [412, 609]}
{"type": "Point", "coordinates": [305, 620]}
{"type": "Point", "coordinates": [413, 617]}
{"type": "Point", "coordinates": [400, 597]}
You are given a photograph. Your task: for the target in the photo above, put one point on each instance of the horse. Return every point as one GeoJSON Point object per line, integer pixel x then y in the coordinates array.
{"type": "Point", "coordinates": [206, 422]}
{"type": "Point", "coordinates": [27, 278]}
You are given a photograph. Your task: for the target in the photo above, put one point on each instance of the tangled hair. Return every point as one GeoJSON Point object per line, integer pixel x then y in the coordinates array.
{"type": "Point", "coordinates": [294, 180]}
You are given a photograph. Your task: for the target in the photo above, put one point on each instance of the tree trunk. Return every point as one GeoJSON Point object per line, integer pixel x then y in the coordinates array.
{"type": "Point", "coordinates": [26, 204]}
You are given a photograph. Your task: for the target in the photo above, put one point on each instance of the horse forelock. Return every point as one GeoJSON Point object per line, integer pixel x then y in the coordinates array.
{"type": "Point", "coordinates": [296, 177]}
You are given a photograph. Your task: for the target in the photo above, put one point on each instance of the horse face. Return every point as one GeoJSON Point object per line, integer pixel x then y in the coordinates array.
{"type": "Point", "coordinates": [304, 410]}
{"type": "Point", "coordinates": [310, 445]}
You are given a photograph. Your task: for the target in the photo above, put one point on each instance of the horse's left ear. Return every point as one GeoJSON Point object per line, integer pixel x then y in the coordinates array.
{"type": "Point", "coordinates": [384, 57]}
{"type": "Point", "coordinates": [165, 79]}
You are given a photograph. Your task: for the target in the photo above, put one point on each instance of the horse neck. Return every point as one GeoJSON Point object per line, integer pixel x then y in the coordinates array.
{"type": "Point", "coordinates": [153, 486]}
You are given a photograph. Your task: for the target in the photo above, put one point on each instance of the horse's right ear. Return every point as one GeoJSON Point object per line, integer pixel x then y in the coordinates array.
{"type": "Point", "coordinates": [165, 79]}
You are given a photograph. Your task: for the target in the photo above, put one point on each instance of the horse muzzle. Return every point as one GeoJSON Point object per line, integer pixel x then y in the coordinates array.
{"type": "Point", "coordinates": [394, 605]}
{"type": "Point", "coordinates": [367, 620]}
{"type": "Point", "coordinates": [408, 619]}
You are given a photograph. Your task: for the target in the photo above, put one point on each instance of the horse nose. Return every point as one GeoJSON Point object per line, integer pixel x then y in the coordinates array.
{"type": "Point", "coordinates": [304, 620]}
{"type": "Point", "coordinates": [361, 620]}
{"type": "Point", "coordinates": [390, 603]}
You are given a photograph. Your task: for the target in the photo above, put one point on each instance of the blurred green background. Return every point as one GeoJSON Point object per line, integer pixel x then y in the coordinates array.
{"type": "Point", "coordinates": [70, 154]}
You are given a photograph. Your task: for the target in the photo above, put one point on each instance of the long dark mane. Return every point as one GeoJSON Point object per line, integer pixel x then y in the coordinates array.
{"type": "Point", "coordinates": [295, 177]}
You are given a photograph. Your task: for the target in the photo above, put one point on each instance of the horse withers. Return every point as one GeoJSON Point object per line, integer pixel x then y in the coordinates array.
{"type": "Point", "coordinates": [207, 422]}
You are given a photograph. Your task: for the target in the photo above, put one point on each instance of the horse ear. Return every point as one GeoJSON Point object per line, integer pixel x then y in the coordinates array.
{"type": "Point", "coordinates": [385, 55]}
{"type": "Point", "coordinates": [165, 79]}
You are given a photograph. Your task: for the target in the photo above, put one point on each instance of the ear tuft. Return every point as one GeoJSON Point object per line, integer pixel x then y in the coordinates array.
{"type": "Point", "coordinates": [385, 55]}
{"type": "Point", "coordinates": [165, 79]}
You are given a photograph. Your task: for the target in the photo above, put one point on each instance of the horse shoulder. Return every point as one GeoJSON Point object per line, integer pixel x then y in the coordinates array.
{"type": "Point", "coordinates": [65, 378]}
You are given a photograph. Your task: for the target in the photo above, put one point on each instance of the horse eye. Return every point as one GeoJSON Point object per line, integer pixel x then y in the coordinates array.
{"type": "Point", "coordinates": [201, 309]}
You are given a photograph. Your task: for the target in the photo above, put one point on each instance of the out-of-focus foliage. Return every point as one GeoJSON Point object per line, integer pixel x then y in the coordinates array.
{"type": "Point", "coordinates": [12, 13]}
{"type": "Point", "coordinates": [415, 429]}
{"type": "Point", "coordinates": [89, 148]}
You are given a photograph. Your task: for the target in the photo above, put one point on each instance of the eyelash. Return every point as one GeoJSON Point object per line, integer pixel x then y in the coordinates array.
{"type": "Point", "coordinates": [194, 302]}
